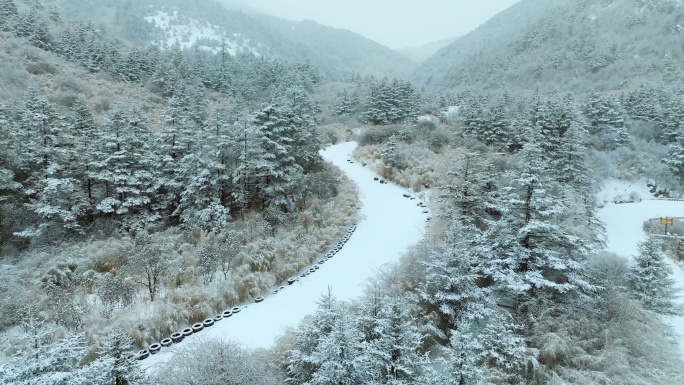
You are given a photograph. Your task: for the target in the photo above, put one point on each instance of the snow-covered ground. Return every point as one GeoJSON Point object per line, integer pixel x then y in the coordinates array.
{"type": "Point", "coordinates": [187, 35]}
{"type": "Point", "coordinates": [389, 224]}
{"type": "Point", "coordinates": [624, 229]}
{"type": "Point", "coordinates": [615, 190]}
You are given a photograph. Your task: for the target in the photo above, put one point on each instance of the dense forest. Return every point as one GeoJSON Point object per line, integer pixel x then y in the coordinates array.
{"type": "Point", "coordinates": [143, 187]}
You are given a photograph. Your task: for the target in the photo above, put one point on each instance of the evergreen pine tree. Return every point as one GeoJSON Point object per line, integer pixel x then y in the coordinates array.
{"type": "Point", "coordinates": [337, 355]}
{"type": "Point", "coordinates": [389, 154]}
{"type": "Point", "coordinates": [43, 359]}
{"type": "Point", "coordinates": [304, 360]}
{"type": "Point", "coordinates": [650, 278]}
{"type": "Point", "coordinates": [391, 342]}
{"type": "Point", "coordinates": [526, 252]}
{"type": "Point", "coordinates": [125, 369]}
{"type": "Point", "coordinates": [29, 25]}
{"type": "Point", "coordinates": [202, 178]}
{"type": "Point", "coordinates": [675, 155]}
{"type": "Point", "coordinates": [451, 283]}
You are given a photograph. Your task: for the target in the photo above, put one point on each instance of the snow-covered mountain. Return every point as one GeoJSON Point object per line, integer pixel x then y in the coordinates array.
{"type": "Point", "coordinates": [571, 45]}
{"type": "Point", "coordinates": [210, 24]}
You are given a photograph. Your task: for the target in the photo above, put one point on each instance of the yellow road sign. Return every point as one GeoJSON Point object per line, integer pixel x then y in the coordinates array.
{"type": "Point", "coordinates": [666, 221]}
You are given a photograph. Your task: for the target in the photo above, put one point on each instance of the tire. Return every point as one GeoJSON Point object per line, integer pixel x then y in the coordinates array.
{"type": "Point", "coordinates": [218, 317]}
{"type": "Point", "coordinates": [236, 310]}
{"type": "Point", "coordinates": [187, 332]}
{"type": "Point", "coordinates": [259, 299]}
{"type": "Point", "coordinates": [154, 348]}
{"type": "Point", "coordinates": [291, 280]}
{"type": "Point", "coordinates": [227, 313]}
{"type": "Point", "coordinates": [142, 354]}
{"type": "Point", "coordinates": [209, 322]}
{"type": "Point", "coordinates": [166, 342]}
{"type": "Point", "coordinates": [178, 337]}
{"type": "Point", "coordinates": [198, 327]}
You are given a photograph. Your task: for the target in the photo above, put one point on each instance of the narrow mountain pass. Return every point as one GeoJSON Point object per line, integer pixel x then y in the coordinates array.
{"type": "Point", "coordinates": [389, 223]}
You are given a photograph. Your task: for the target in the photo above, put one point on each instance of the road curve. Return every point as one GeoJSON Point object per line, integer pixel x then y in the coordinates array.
{"type": "Point", "coordinates": [389, 224]}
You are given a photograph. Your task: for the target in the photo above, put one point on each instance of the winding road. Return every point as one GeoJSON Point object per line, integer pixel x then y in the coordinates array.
{"type": "Point", "coordinates": [389, 224]}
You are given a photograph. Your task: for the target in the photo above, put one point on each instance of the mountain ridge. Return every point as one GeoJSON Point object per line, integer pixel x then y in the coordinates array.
{"type": "Point", "coordinates": [579, 46]}
{"type": "Point", "coordinates": [338, 53]}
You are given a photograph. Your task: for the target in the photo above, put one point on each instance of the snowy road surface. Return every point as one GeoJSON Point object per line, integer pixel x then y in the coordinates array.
{"type": "Point", "coordinates": [624, 229]}
{"type": "Point", "coordinates": [389, 224]}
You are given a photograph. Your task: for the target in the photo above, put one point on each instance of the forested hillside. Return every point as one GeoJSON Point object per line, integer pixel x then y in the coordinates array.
{"type": "Point", "coordinates": [337, 53]}
{"type": "Point", "coordinates": [575, 46]}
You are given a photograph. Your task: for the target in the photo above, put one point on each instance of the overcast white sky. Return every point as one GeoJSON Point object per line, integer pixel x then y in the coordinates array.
{"type": "Point", "coordinates": [394, 23]}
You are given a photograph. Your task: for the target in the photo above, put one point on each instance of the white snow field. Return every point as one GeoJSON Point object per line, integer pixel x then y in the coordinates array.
{"type": "Point", "coordinates": [624, 229]}
{"type": "Point", "coordinates": [388, 225]}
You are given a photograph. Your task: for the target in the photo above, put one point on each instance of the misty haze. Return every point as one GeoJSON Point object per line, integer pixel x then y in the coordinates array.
{"type": "Point", "coordinates": [341, 192]}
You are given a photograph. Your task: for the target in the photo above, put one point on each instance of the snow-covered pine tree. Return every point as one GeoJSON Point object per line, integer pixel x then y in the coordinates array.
{"type": "Point", "coordinates": [53, 192]}
{"type": "Point", "coordinates": [83, 138]}
{"type": "Point", "coordinates": [650, 278]}
{"type": "Point", "coordinates": [67, 44]}
{"type": "Point", "coordinates": [40, 129]}
{"type": "Point", "coordinates": [671, 118]}
{"type": "Point", "coordinates": [342, 103]}
{"type": "Point", "coordinates": [125, 369]}
{"type": "Point", "coordinates": [300, 114]}
{"type": "Point", "coordinates": [394, 99]}
{"type": "Point", "coordinates": [203, 178]}
{"type": "Point", "coordinates": [304, 362]}
{"type": "Point", "coordinates": [377, 103]}
{"type": "Point", "coordinates": [126, 169]}
{"type": "Point", "coordinates": [8, 12]}
{"type": "Point", "coordinates": [274, 168]}
{"type": "Point", "coordinates": [525, 252]}
{"type": "Point", "coordinates": [389, 154]}
{"type": "Point", "coordinates": [30, 25]}
{"type": "Point", "coordinates": [572, 171]}
{"type": "Point", "coordinates": [451, 287]}
{"type": "Point", "coordinates": [391, 342]}
{"type": "Point", "coordinates": [461, 363]}
{"type": "Point", "coordinates": [472, 194]}
{"type": "Point", "coordinates": [337, 355]}
{"type": "Point", "coordinates": [675, 155]}
{"type": "Point", "coordinates": [45, 360]}
{"type": "Point", "coordinates": [58, 201]}
{"type": "Point", "coordinates": [177, 141]}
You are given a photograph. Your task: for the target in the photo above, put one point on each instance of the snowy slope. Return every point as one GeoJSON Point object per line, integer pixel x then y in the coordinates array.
{"type": "Point", "coordinates": [193, 31]}
{"type": "Point", "coordinates": [390, 223]}
{"type": "Point", "coordinates": [624, 229]}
